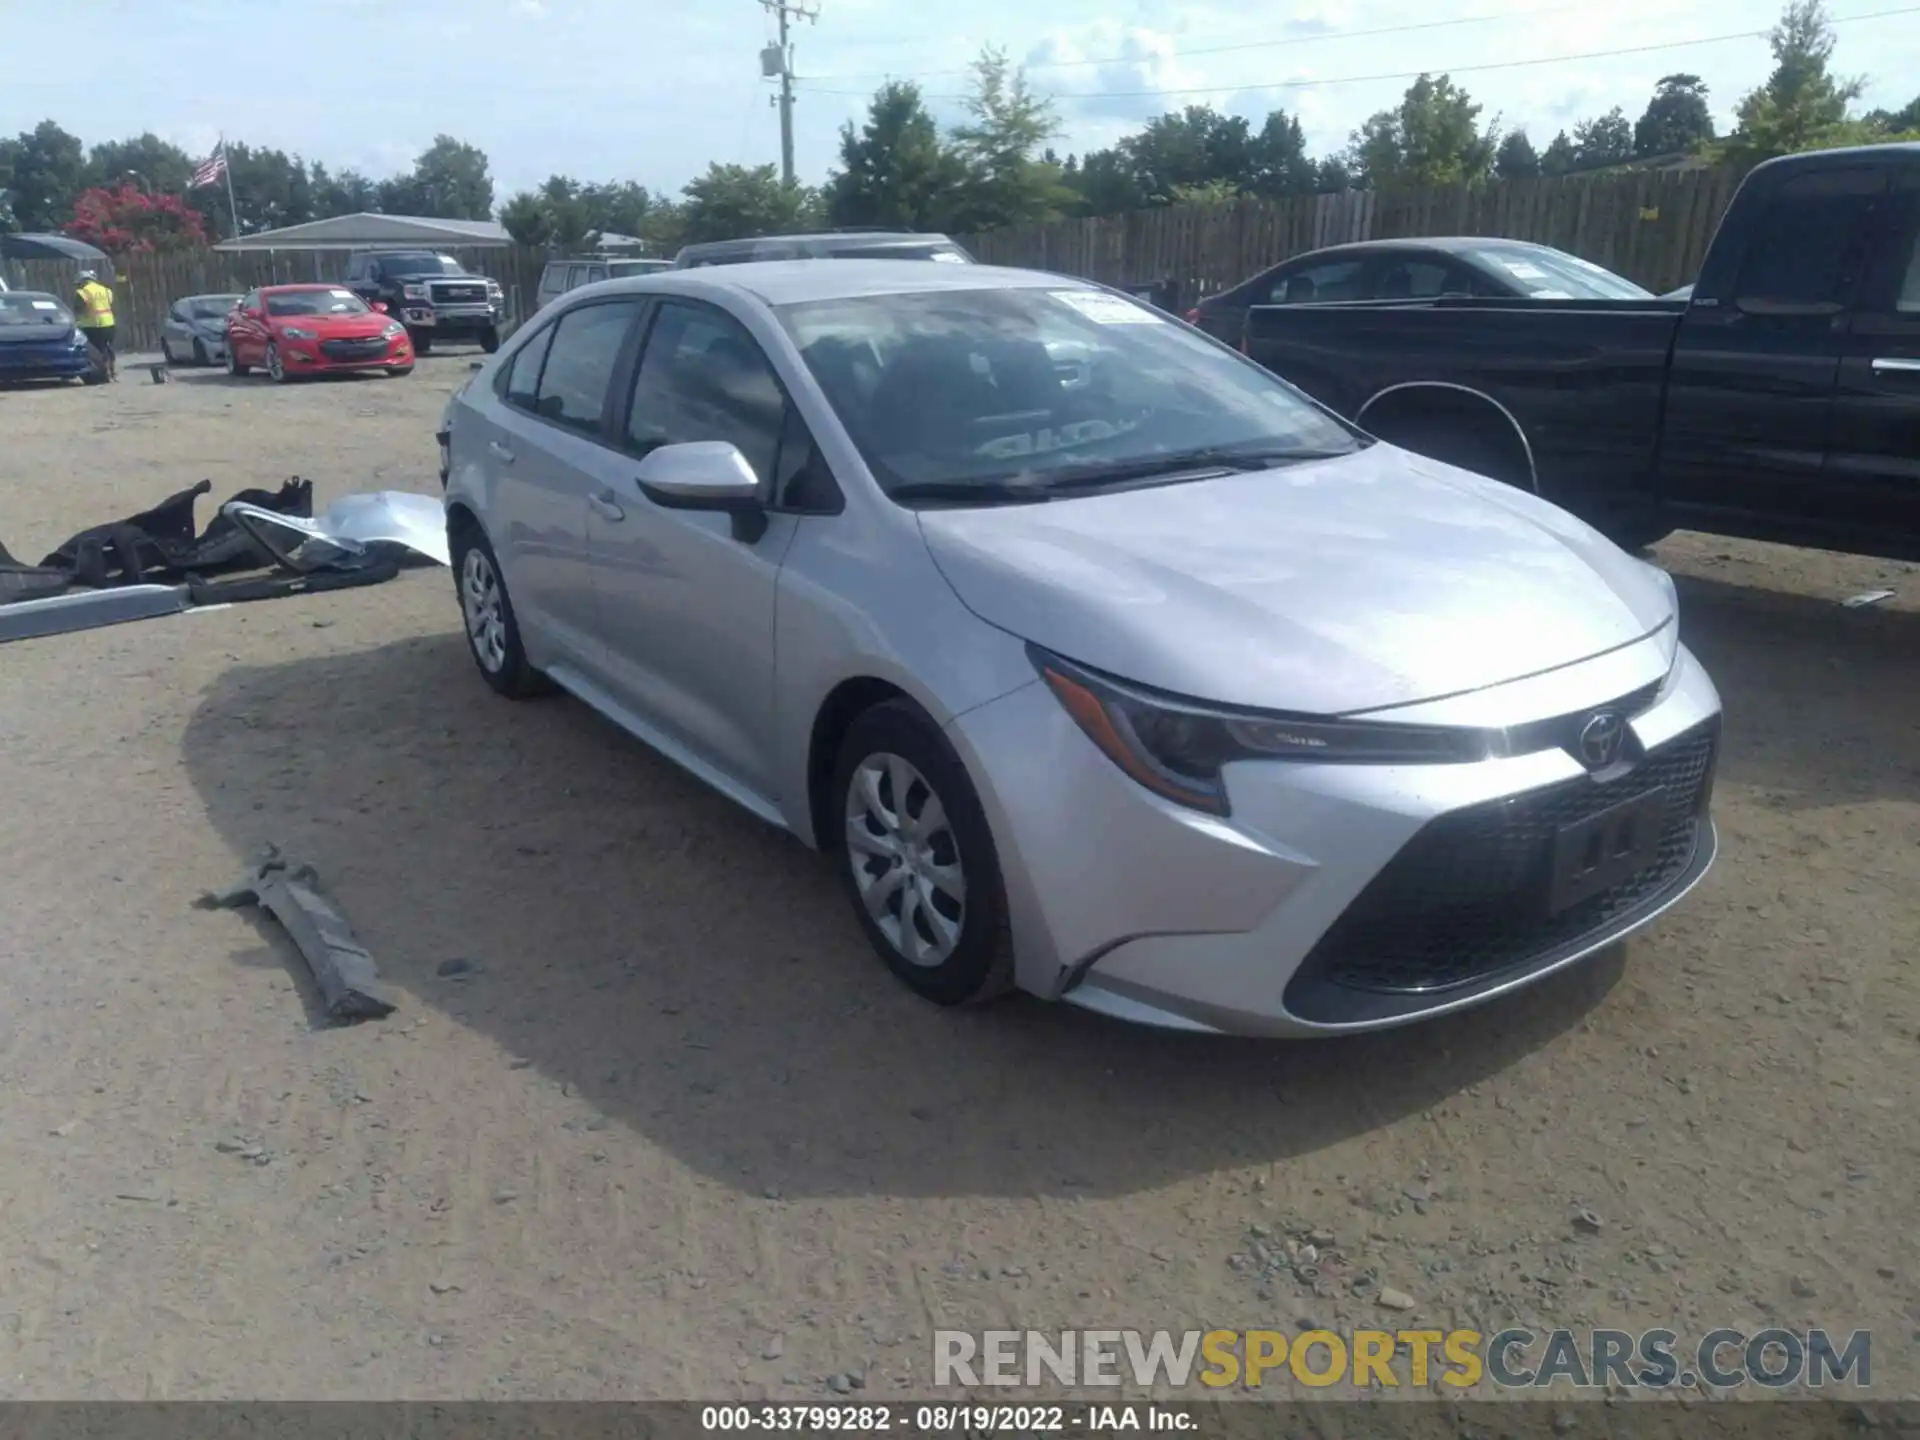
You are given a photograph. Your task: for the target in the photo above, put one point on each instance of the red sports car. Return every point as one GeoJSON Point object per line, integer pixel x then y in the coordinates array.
{"type": "Point", "coordinates": [295, 330]}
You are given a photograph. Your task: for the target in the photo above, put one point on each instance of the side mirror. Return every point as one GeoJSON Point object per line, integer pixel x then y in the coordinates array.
{"type": "Point", "coordinates": [254, 312]}
{"type": "Point", "coordinates": [705, 475]}
{"type": "Point", "coordinates": [381, 306]}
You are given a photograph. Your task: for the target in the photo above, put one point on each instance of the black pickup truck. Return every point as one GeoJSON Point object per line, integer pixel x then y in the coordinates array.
{"type": "Point", "coordinates": [1781, 401]}
{"type": "Point", "coordinates": [432, 294]}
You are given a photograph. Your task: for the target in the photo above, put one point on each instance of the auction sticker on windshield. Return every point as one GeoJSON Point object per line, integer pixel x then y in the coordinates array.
{"type": "Point", "coordinates": [45, 305]}
{"type": "Point", "coordinates": [1104, 309]}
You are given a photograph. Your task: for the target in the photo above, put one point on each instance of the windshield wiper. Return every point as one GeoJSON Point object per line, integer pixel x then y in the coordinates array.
{"type": "Point", "coordinates": [1095, 473]}
{"type": "Point", "coordinates": [972, 492]}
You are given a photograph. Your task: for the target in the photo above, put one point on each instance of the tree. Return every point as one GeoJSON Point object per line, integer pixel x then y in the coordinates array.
{"type": "Point", "coordinates": [1801, 106]}
{"type": "Point", "coordinates": [42, 171]}
{"type": "Point", "coordinates": [1602, 141]}
{"type": "Point", "coordinates": [270, 189]}
{"type": "Point", "coordinates": [1006, 180]}
{"type": "Point", "coordinates": [449, 181]}
{"type": "Point", "coordinates": [1515, 159]}
{"type": "Point", "coordinates": [1336, 173]}
{"type": "Point", "coordinates": [732, 202]}
{"type": "Point", "coordinates": [1280, 163]}
{"type": "Point", "coordinates": [1903, 121]}
{"type": "Point", "coordinates": [1193, 149]}
{"type": "Point", "coordinates": [1104, 183]}
{"type": "Point", "coordinates": [895, 170]}
{"type": "Point", "coordinates": [126, 219]}
{"type": "Point", "coordinates": [619, 207]}
{"type": "Point", "coordinates": [160, 167]}
{"type": "Point", "coordinates": [1676, 118]}
{"type": "Point", "coordinates": [1559, 156]}
{"type": "Point", "coordinates": [1432, 138]}
{"type": "Point", "coordinates": [348, 193]}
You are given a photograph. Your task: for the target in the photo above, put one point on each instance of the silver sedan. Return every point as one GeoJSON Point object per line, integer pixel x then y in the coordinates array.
{"type": "Point", "coordinates": [195, 330]}
{"type": "Point", "coordinates": [1108, 665]}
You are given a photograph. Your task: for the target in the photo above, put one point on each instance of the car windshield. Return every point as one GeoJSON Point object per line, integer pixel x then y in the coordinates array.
{"type": "Point", "coordinates": [617, 268]}
{"type": "Point", "coordinates": [23, 307]}
{"type": "Point", "coordinates": [934, 251]}
{"type": "Point", "coordinates": [992, 396]}
{"type": "Point", "coordinates": [316, 302]}
{"type": "Point", "coordinates": [424, 263]}
{"type": "Point", "coordinates": [1555, 275]}
{"type": "Point", "coordinates": [210, 307]}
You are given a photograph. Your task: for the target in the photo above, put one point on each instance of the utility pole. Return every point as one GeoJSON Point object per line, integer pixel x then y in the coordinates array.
{"type": "Point", "coordinates": [776, 61]}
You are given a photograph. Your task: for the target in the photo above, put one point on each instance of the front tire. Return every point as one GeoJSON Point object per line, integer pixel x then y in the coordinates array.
{"type": "Point", "coordinates": [276, 367]}
{"type": "Point", "coordinates": [917, 858]}
{"type": "Point", "coordinates": [166, 352]}
{"type": "Point", "coordinates": [395, 372]}
{"type": "Point", "coordinates": [422, 343]}
{"type": "Point", "coordinates": [493, 631]}
{"type": "Point", "coordinates": [200, 356]}
{"type": "Point", "coordinates": [490, 339]}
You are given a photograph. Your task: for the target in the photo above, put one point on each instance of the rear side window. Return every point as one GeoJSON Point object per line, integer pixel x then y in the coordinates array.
{"type": "Point", "coordinates": [703, 377]}
{"type": "Point", "coordinates": [523, 375]}
{"type": "Point", "coordinates": [1805, 245]}
{"type": "Point", "coordinates": [1410, 279]}
{"type": "Point", "coordinates": [586, 343]}
{"type": "Point", "coordinates": [1334, 280]}
{"type": "Point", "coordinates": [553, 280]}
{"type": "Point", "coordinates": [1907, 302]}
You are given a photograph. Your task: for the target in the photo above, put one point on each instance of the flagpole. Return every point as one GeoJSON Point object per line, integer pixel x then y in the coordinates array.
{"type": "Point", "coordinates": [226, 166]}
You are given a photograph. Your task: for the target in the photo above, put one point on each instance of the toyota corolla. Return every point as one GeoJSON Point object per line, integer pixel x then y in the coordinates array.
{"type": "Point", "coordinates": [1104, 663]}
{"type": "Point", "coordinates": [295, 330]}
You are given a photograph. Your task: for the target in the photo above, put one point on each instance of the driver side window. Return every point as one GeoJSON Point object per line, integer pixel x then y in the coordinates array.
{"type": "Point", "coordinates": [703, 377]}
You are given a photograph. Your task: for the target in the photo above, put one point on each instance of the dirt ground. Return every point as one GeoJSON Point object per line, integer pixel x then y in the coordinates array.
{"type": "Point", "coordinates": [673, 1131]}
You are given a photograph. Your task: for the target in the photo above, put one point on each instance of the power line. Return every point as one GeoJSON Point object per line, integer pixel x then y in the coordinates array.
{"type": "Point", "coordinates": [1416, 74]}
{"type": "Point", "coordinates": [1309, 39]}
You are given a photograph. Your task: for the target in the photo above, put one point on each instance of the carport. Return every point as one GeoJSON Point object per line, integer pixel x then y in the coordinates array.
{"type": "Point", "coordinates": [365, 229]}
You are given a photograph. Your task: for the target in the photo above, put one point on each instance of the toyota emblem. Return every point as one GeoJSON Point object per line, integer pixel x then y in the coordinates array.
{"type": "Point", "coordinates": [1600, 739]}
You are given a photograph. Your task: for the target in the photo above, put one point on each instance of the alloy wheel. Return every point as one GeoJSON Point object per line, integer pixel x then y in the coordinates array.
{"type": "Point", "coordinates": [276, 367]}
{"type": "Point", "coordinates": [481, 602]}
{"type": "Point", "coordinates": [905, 859]}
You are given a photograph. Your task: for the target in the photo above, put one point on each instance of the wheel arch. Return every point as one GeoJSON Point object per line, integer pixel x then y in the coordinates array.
{"type": "Point", "coordinates": [834, 716]}
{"type": "Point", "coordinates": [1413, 400]}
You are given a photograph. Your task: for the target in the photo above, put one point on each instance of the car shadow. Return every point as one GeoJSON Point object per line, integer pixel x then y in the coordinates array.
{"type": "Point", "coordinates": [697, 975]}
{"type": "Point", "coordinates": [1852, 731]}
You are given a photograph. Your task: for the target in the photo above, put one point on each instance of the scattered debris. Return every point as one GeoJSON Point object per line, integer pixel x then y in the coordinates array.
{"type": "Point", "coordinates": [774, 1348]}
{"type": "Point", "coordinates": [1866, 598]}
{"type": "Point", "coordinates": [505, 1195]}
{"type": "Point", "coordinates": [1393, 1299]}
{"type": "Point", "coordinates": [1588, 1222]}
{"type": "Point", "coordinates": [88, 610]}
{"type": "Point", "coordinates": [454, 969]}
{"type": "Point", "coordinates": [348, 979]}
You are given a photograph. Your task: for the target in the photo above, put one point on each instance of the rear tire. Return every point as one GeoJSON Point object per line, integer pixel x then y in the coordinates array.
{"type": "Point", "coordinates": [200, 356]}
{"type": "Point", "coordinates": [234, 367]}
{"type": "Point", "coordinates": [493, 631]}
{"type": "Point", "coordinates": [917, 858]}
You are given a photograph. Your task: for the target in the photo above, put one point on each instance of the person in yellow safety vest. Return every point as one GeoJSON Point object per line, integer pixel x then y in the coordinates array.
{"type": "Point", "coordinates": [94, 309]}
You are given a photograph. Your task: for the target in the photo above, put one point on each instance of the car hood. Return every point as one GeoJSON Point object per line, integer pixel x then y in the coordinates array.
{"type": "Point", "coordinates": [35, 332]}
{"type": "Point", "coordinates": [335, 327]}
{"type": "Point", "coordinates": [1329, 587]}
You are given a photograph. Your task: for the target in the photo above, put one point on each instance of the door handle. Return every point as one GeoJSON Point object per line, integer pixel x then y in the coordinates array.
{"type": "Point", "coordinates": [500, 452]}
{"type": "Point", "coordinates": [603, 502]}
{"type": "Point", "coordinates": [1896, 365]}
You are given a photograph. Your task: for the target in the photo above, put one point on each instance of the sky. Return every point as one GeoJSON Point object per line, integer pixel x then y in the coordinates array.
{"type": "Point", "coordinates": [652, 90]}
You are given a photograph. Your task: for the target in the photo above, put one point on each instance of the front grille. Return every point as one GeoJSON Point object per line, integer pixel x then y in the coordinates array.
{"type": "Point", "coordinates": [457, 294]}
{"type": "Point", "coordinates": [353, 349]}
{"type": "Point", "coordinates": [1466, 898]}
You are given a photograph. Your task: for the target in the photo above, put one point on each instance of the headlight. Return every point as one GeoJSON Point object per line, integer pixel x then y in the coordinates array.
{"type": "Point", "coordinates": [294, 332]}
{"type": "Point", "coordinates": [414, 292]}
{"type": "Point", "coordinates": [78, 340]}
{"type": "Point", "coordinates": [394, 330]}
{"type": "Point", "coordinates": [1176, 748]}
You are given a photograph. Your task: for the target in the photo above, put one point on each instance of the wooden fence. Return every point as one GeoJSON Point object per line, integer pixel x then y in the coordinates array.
{"type": "Point", "coordinates": [1651, 226]}
{"type": "Point", "coordinates": [146, 285]}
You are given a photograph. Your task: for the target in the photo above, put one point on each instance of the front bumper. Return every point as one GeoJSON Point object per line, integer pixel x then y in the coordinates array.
{"type": "Point", "coordinates": [451, 319]}
{"type": "Point", "coordinates": [44, 362]}
{"type": "Point", "coordinates": [1279, 920]}
{"type": "Point", "coordinates": [310, 357]}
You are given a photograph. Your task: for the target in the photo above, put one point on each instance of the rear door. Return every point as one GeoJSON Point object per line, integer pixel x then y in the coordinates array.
{"type": "Point", "coordinates": [551, 420]}
{"type": "Point", "coordinates": [1873, 466]}
{"type": "Point", "coordinates": [1750, 389]}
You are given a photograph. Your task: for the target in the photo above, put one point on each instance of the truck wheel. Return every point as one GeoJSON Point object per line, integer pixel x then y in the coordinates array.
{"type": "Point", "coordinates": [490, 339]}
{"type": "Point", "coordinates": [422, 343]}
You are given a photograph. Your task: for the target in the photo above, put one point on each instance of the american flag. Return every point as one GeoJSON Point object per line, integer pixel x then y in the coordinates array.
{"type": "Point", "coordinates": [211, 168]}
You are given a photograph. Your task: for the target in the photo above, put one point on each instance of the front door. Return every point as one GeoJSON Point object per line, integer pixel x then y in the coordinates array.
{"type": "Point", "coordinates": [1750, 387]}
{"type": "Point", "coordinates": [686, 607]}
{"type": "Point", "coordinates": [1873, 467]}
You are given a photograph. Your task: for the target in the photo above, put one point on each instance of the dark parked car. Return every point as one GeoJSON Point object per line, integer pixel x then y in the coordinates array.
{"type": "Point", "coordinates": [1413, 270]}
{"type": "Point", "coordinates": [1781, 401]}
{"type": "Point", "coordinates": [831, 245]}
{"type": "Point", "coordinates": [433, 295]}
{"type": "Point", "coordinates": [39, 341]}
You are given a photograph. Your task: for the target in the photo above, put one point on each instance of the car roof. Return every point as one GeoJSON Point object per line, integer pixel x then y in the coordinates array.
{"type": "Point", "coordinates": [790, 282]}
{"type": "Point", "coordinates": [38, 295]}
{"type": "Point", "coordinates": [301, 285]}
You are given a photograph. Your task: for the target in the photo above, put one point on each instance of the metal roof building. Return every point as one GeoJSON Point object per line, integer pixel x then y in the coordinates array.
{"type": "Point", "coordinates": [357, 232]}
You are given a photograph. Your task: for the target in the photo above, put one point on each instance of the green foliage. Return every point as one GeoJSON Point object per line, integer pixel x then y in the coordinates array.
{"type": "Point", "coordinates": [1559, 157]}
{"type": "Point", "coordinates": [733, 202]}
{"type": "Point", "coordinates": [1677, 118]}
{"type": "Point", "coordinates": [1432, 138]}
{"type": "Point", "coordinates": [1005, 178]}
{"type": "Point", "coordinates": [449, 181]}
{"type": "Point", "coordinates": [896, 170]}
{"type": "Point", "coordinates": [42, 171]}
{"type": "Point", "coordinates": [1602, 141]}
{"type": "Point", "coordinates": [1515, 159]}
{"type": "Point", "coordinates": [1802, 106]}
